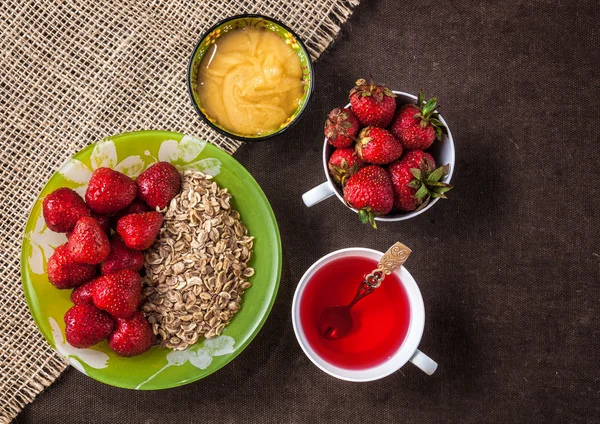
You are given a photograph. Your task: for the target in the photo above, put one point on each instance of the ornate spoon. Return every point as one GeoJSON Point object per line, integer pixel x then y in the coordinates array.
{"type": "Point", "coordinates": [336, 321]}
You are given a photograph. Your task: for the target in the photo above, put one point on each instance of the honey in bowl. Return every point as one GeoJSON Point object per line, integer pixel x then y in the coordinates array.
{"type": "Point", "coordinates": [250, 81]}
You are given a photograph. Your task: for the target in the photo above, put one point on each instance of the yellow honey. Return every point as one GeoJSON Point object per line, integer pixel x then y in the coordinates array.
{"type": "Point", "coordinates": [250, 81]}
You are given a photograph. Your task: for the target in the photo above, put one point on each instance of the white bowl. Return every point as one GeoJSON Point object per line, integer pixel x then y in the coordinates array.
{"type": "Point", "coordinates": [441, 150]}
{"type": "Point", "coordinates": [406, 352]}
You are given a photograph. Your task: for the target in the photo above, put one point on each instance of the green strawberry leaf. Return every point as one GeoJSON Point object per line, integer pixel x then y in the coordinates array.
{"type": "Point", "coordinates": [429, 107]}
{"type": "Point", "coordinates": [422, 205]}
{"type": "Point", "coordinates": [436, 184]}
{"type": "Point", "coordinates": [441, 190]}
{"type": "Point", "coordinates": [414, 184]}
{"type": "Point", "coordinates": [440, 195]}
{"type": "Point", "coordinates": [362, 214]}
{"type": "Point", "coordinates": [438, 133]}
{"type": "Point", "coordinates": [416, 172]}
{"type": "Point", "coordinates": [421, 192]}
{"type": "Point", "coordinates": [436, 175]}
{"type": "Point", "coordinates": [421, 98]}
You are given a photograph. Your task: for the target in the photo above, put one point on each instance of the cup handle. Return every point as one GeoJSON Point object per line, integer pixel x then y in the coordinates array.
{"type": "Point", "coordinates": [427, 365]}
{"type": "Point", "coordinates": [318, 194]}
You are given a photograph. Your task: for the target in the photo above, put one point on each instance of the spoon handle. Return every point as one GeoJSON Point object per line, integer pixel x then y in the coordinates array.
{"type": "Point", "coordinates": [393, 258]}
{"type": "Point", "coordinates": [390, 261]}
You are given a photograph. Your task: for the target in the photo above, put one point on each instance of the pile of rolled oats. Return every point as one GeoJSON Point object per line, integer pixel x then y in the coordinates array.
{"type": "Point", "coordinates": [196, 271]}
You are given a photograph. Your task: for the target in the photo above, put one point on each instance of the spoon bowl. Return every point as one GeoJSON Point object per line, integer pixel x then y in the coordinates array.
{"type": "Point", "coordinates": [335, 322]}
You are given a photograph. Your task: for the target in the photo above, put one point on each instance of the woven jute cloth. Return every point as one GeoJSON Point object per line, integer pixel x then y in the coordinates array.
{"type": "Point", "coordinates": [73, 72]}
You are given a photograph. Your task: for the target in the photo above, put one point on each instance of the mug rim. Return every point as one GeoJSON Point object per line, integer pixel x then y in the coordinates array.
{"type": "Point", "coordinates": [403, 215]}
{"type": "Point", "coordinates": [409, 344]}
{"type": "Point", "coordinates": [222, 131]}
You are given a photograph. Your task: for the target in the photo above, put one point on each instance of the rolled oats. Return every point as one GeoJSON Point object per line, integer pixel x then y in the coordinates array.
{"type": "Point", "coordinates": [197, 269]}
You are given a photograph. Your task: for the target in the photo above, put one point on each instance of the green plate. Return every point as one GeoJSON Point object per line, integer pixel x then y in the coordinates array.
{"type": "Point", "coordinates": [158, 368]}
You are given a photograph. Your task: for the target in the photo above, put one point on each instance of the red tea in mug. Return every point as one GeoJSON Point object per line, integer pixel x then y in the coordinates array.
{"type": "Point", "coordinates": [380, 320]}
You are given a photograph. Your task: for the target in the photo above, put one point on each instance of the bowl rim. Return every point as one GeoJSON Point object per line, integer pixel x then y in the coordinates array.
{"type": "Point", "coordinates": [406, 350]}
{"type": "Point", "coordinates": [221, 131]}
{"type": "Point", "coordinates": [405, 215]}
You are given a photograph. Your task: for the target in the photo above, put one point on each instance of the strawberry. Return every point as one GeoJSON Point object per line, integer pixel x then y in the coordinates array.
{"type": "Point", "coordinates": [121, 257]}
{"type": "Point", "coordinates": [370, 191]}
{"type": "Point", "coordinates": [158, 184]}
{"type": "Point", "coordinates": [64, 272]}
{"type": "Point", "coordinates": [87, 325]}
{"type": "Point", "coordinates": [83, 293]}
{"type": "Point", "coordinates": [416, 180]}
{"type": "Point", "coordinates": [132, 336]}
{"type": "Point", "coordinates": [377, 146]}
{"type": "Point", "coordinates": [118, 293]}
{"type": "Point", "coordinates": [344, 163]}
{"type": "Point", "coordinates": [62, 209]}
{"type": "Point", "coordinates": [109, 191]}
{"type": "Point", "coordinates": [103, 221]}
{"type": "Point", "coordinates": [417, 126]}
{"type": "Point", "coordinates": [137, 206]}
{"type": "Point", "coordinates": [88, 244]}
{"type": "Point", "coordinates": [139, 230]}
{"type": "Point", "coordinates": [373, 105]}
{"type": "Point", "coordinates": [341, 127]}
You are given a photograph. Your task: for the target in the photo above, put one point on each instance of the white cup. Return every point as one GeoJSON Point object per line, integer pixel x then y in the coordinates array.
{"type": "Point", "coordinates": [408, 350]}
{"type": "Point", "coordinates": [441, 150]}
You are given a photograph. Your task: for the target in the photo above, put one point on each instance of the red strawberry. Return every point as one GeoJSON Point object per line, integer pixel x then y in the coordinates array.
{"type": "Point", "coordinates": [87, 325]}
{"type": "Point", "coordinates": [344, 163]}
{"type": "Point", "coordinates": [139, 230]}
{"type": "Point", "coordinates": [62, 209]}
{"type": "Point", "coordinates": [83, 293]}
{"type": "Point", "coordinates": [370, 191]}
{"type": "Point", "coordinates": [118, 293]}
{"type": "Point", "coordinates": [417, 126]}
{"type": "Point", "coordinates": [341, 127]}
{"type": "Point", "coordinates": [372, 104]}
{"type": "Point", "coordinates": [109, 191]}
{"type": "Point", "coordinates": [88, 244]}
{"type": "Point", "coordinates": [64, 272]}
{"type": "Point", "coordinates": [158, 184]}
{"type": "Point", "coordinates": [132, 336]}
{"type": "Point", "coordinates": [121, 257]}
{"type": "Point", "coordinates": [103, 221]}
{"type": "Point", "coordinates": [137, 206]}
{"type": "Point", "coordinates": [378, 146]}
{"type": "Point", "coordinates": [416, 180]}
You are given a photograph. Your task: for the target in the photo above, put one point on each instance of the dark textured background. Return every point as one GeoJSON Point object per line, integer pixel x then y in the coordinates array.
{"type": "Point", "coordinates": [509, 267]}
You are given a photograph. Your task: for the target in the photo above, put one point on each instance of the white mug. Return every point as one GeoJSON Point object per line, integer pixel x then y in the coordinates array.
{"type": "Point", "coordinates": [441, 150]}
{"type": "Point", "coordinates": [408, 351]}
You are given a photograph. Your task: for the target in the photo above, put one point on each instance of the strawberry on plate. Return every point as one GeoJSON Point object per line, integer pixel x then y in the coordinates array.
{"type": "Point", "coordinates": [158, 184]}
{"type": "Point", "coordinates": [137, 206]}
{"type": "Point", "coordinates": [344, 163]}
{"type": "Point", "coordinates": [374, 105]}
{"type": "Point", "coordinates": [378, 146]}
{"type": "Point", "coordinates": [131, 336]}
{"type": "Point", "coordinates": [88, 243]}
{"type": "Point", "coordinates": [64, 272]}
{"type": "Point", "coordinates": [118, 293]}
{"type": "Point", "coordinates": [416, 180]}
{"type": "Point", "coordinates": [83, 293]}
{"type": "Point", "coordinates": [341, 127]}
{"type": "Point", "coordinates": [370, 191]}
{"type": "Point", "coordinates": [139, 230]}
{"type": "Point", "coordinates": [109, 191]}
{"type": "Point", "coordinates": [87, 325]}
{"type": "Point", "coordinates": [121, 257]}
{"type": "Point", "coordinates": [62, 209]}
{"type": "Point", "coordinates": [417, 126]}
{"type": "Point", "coordinates": [103, 221]}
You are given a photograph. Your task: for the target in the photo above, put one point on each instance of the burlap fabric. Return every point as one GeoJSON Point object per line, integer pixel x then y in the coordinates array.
{"type": "Point", "coordinates": [73, 72]}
